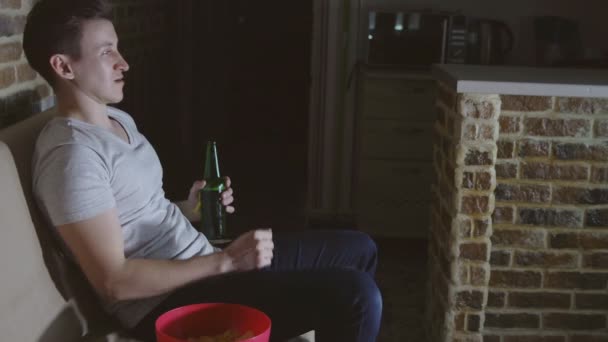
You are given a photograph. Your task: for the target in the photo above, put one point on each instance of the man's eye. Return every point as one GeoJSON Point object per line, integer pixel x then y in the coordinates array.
{"type": "Point", "coordinates": [106, 52]}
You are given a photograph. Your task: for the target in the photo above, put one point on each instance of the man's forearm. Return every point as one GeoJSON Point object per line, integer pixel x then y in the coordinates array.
{"type": "Point", "coordinates": [190, 214]}
{"type": "Point", "coordinates": [140, 278]}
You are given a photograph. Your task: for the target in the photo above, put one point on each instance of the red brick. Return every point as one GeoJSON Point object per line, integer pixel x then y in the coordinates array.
{"type": "Point", "coordinates": [12, 4]}
{"type": "Point", "coordinates": [585, 240]}
{"type": "Point", "coordinates": [550, 217]}
{"type": "Point", "coordinates": [473, 322]}
{"type": "Point", "coordinates": [481, 227]}
{"type": "Point", "coordinates": [534, 148]}
{"type": "Point", "coordinates": [601, 128]}
{"type": "Point", "coordinates": [544, 127]}
{"type": "Point", "coordinates": [486, 132]}
{"type": "Point", "coordinates": [545, 259]}
{"type": "Point", "coordinates": [502, 215]}
{"type": "Point", "coordinates": [469, 299]}
{"type": "Point", "coordinates": [7, 77]}
{"type": "Point", "coordinates": [602, 337]}
{"type": "Point", "coordinates": [576, 280]}
{"type": "Point", "coordinates": [582, 105]}
{"type": "Point", "coordinates": [521, 103]}
{"type": "Point", "coordinates": [517, 279]}
{"type": "Point", "coordinates": [477, 110]}
{"type": "Point", "coordinates": [574, 321]}
{"type": "Point", "coordinates": [474, 251]}
{"type": "Point", "coordinates": [575, 195]}
{"type": "Point", "coordinates": [475, 157]}
{"type": "Point", "coordinates": [575, 151]}
{"type": "Point", "coordinates": [506, 149]}
{"type": "Point", "coordinates": [539, 300]}
{"type": "Point", "coordinates": [546, 171]}
{"type": "Point", "coordinates": [10, 52]}
{"type": "Point", "coordinates": [459, 322]}
{"type": "Point", "coordinates": [591, 301]}
{"type": "Point", "coordinates": [523, 193]}
{"type": "Point", "coordinates": [469, 132]}
{"type": "Point", "coordinates": [596, 218]}
{"type": "Point", "coordinates": [590, 240]}
{"type": "Point", "coordinates": [527, 238]}
{"type": "Point", "coordinates": [468, 180]}
{"type": "Point", "coordinates": [478, 276]}
{"type": "Point", "coordinates": [496, 299]}
{"type": "Point", "coordinates": [508, 124]}
{"type": "Point", "coordinates": [474, 205]}
{"type": "Point", "coordinates": [512, 320]}
{"type": "Point", "coordinates": [599, 174]}
{"type": "Point", "coordinates": [597, 260]}
{"type": "Point", "coordinates": [506, 170]}
{"type": "Point", "coordinates": [25, 73]}
{"type": "Point", "coordinates": [500, 258]}
{"type": "Point", "coordinates": [564, 240]}
{"type": "Point", "coordinates": [534, 338]}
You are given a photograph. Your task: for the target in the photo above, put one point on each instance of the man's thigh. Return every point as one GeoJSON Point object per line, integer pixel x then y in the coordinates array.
{"type": "Point", "coordinates": [324, 249]}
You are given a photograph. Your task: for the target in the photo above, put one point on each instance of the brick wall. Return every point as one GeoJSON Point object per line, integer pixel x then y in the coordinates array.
{"type": "Point", "coordinates": [549, 259]}
{"type": "Point", "coordinates": [142, 30]}
{"type": "Point", "coordinates": [537, 268]}
{"type": "Point", "coordinates": [21, 89]}
{"type": "Point", "coordinates": [459, 252]}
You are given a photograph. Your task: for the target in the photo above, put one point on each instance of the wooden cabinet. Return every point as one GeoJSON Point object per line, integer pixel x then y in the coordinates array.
{"type": "Point", "coordinates": [393, 158]}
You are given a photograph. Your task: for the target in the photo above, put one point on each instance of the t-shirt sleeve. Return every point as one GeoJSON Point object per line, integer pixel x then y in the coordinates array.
{"type": "Point", "coordinates": [73, 184]}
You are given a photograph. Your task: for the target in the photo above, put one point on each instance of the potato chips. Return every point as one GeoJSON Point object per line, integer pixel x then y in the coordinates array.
{"type": "Point", "coordinates": [229, 335]}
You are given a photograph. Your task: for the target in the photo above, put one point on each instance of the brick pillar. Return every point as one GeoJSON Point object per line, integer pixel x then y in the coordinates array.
{"type": "Point", "coordinates": [465, 152]}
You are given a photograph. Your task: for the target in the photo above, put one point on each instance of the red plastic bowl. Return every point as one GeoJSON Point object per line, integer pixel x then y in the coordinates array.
{"type": "Point", "coordinates": [211, 319]}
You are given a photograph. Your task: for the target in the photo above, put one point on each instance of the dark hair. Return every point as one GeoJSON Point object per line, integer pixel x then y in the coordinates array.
{"type": "Point", "coordinates": [55, 27]}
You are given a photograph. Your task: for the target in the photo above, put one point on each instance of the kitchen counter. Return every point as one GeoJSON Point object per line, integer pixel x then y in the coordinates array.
{"type": "Point", "coordinates": [523, 80]}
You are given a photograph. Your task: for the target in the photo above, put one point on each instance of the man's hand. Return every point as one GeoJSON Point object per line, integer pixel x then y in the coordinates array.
{"type": "Point", "coordinates": [189, 206]}
{"type": "Point", "coordinates": [251, 250]}
{"type": "Point", "coordinates": [227, 197]}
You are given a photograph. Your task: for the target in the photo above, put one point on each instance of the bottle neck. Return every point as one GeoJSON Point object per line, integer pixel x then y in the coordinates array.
{"type": "Point", "coordinates": [212, 167]}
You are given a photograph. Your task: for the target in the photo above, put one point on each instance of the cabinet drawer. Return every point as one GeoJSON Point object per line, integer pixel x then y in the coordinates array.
{"type": "Point", "coordinates": [395, 180]}
{"type": "Point", "coordinates": [396, 140]}
{"type": "Point", "coordinates": [385, 98]}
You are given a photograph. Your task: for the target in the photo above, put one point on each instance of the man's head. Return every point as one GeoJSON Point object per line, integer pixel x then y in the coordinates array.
{"type": "Point", "coordinates": [74, 42]}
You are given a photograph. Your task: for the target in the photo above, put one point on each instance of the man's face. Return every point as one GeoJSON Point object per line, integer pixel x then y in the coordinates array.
{"type": "Point", "coordinates": [99, 71]}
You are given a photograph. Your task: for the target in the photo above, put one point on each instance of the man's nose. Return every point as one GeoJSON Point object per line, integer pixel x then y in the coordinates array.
{"type": "Point", "coordinates": [122, 63]}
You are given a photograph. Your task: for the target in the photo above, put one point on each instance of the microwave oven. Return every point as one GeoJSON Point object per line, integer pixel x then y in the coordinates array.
{"type": "Point", "coordinates": [414, 39]}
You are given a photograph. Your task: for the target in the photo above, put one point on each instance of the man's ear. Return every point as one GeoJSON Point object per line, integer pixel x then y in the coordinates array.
{"type": "Point", "coordinates": [62, 67]}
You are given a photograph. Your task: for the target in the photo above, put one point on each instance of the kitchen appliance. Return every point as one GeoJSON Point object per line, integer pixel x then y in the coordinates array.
{"type": "Point", "coordinates": [415, 39]}
{"type": "Point", "coordinates": [418, 39]}
{"type": "Point", "coordinates": [489, 41]}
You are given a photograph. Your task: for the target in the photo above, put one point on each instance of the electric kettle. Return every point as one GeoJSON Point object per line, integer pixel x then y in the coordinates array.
{"type": "Point", "coordinates": [490, 41]}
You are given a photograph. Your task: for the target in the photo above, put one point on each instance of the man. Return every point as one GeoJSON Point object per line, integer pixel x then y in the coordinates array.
{"type": "Point", "coordinates": [99, 182]}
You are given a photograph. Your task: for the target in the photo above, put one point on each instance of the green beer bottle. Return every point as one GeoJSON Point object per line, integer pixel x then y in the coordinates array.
{"type": "Point", "coordinates": [213, 213]}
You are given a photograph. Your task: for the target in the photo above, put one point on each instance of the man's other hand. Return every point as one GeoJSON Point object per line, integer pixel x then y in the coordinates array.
{"type": "Point", "coordinates": [251, 250]}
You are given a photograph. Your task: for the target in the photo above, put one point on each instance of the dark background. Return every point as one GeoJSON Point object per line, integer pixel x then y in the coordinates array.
{"type": "Point", "coordinates": [240, 76]}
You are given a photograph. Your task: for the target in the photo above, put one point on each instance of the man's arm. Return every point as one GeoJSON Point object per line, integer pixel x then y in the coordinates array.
{"type": "Point", "coordinates": [97, 244]}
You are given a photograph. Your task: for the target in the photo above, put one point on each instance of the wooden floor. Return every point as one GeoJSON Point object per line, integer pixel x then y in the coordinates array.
{"type": "Point", "coordinates": [402, 278]}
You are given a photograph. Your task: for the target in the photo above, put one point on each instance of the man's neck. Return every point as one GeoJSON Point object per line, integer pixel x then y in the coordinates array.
{"type": "Point", "coordinates": [82, 108]}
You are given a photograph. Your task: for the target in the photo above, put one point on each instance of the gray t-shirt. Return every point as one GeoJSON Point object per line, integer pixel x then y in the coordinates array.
{"type": "Point", "coordinates": [81, 170]}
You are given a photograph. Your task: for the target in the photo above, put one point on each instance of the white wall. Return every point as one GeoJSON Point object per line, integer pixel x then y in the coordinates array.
{"type": "Point", "coordinates": [591, 15]}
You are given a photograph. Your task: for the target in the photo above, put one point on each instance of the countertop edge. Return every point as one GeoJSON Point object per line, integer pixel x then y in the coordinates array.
{"type": "Point", "coordinates": [462, 84]}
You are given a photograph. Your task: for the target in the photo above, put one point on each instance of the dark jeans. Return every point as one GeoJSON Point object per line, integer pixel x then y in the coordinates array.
{"type": "Point", "coordinates": [318, 280]}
